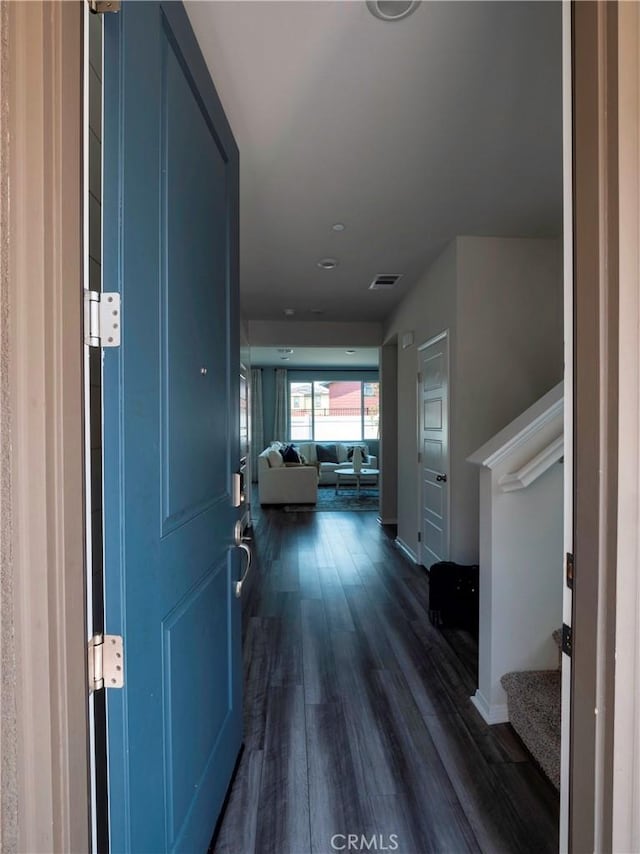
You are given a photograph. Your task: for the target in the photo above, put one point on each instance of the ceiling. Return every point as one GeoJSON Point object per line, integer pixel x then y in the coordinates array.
{"type": "Point", "coordinates": [316, 357]}
{"type": "Point", "coordinates": [409, 133]}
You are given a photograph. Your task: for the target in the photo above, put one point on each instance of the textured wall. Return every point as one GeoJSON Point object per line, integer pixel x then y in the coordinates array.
{"type": "Point", "coordinates": [8, 780]}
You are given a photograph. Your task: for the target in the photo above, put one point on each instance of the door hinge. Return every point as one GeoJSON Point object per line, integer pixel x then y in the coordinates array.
{"type": "Point", "coordinates": [569, 570]}
{"type": "Point", "coordinates": [102, 320]}
{"type": "Point", "coordinates": [419, 378]}
{"type": "Point", "coordinates": [419, 457]}
{"type": "Point", "coordinates": [99, 7]}
{"type": "Point", "coordinates": [419, 536]}
{"type": "Point", "coordinates": [567, 639]}
{"type": "Point", "coordinates": [106, 662]}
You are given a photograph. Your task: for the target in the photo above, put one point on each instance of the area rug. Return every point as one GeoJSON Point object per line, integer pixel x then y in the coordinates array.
{"type": "Point", "coordinates": [346, 499]}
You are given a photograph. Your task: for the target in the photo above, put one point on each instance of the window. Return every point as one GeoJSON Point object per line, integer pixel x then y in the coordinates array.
{"type": "Point", "coordinates": [334, 410]}
{"type": "Point", "coordinates": [300, 410]}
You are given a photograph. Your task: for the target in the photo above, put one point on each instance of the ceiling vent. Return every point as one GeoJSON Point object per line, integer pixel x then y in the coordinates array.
{"type": "Point", "coordinates": [385, 281]}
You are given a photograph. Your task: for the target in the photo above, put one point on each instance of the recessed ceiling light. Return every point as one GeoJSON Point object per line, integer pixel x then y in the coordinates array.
{"type": "Point", "coordinates": [327, 263]}
{"type": "Point", "coordinates": [317, 311]}
{"type": "Point", "coordinates": [338, 226]}
{"type": "Point", "coordinates": [286, 351]}
{"type": "Point", "coordinates": [289, 312]}
{"type": "Point", "coordinates": [284, 358]}
{"type": "Point", "coordinates": [392, 10]}
{"type": "Point", "coordinates": [350, 352]}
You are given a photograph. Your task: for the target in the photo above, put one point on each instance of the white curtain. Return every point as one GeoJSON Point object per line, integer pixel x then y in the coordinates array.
{"type": "Point", "coordinates": [280, 416]}
{"type": "Point", "coordinates": [257, 421]}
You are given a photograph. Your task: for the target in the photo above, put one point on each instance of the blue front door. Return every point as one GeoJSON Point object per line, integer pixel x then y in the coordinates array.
{"type": "Point", "coordinates": [170, 209]}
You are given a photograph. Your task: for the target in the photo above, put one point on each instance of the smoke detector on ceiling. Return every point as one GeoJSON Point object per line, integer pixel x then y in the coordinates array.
{"type": "Point", "coordinates": [385, 281]}
{"type": "Point", "coordinates": [392, 10]}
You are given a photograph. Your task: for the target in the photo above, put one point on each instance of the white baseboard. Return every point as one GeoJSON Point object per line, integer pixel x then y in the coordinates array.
{"type": "Point", "coordinates": [407, 551]}
{"type": "Point", "coordinates": [382, 521]}
{"type": "Point", "coordinates": [498, 714]}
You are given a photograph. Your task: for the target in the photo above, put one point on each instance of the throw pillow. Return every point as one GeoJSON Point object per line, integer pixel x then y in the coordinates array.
{"type": "Point", "coordinates": [275, 458]}
{"type": "Point", "coordinates": [290, 454]}
{"type": "Point", "coordinates": [326, 453]}
{"type": "Point", "coordinates": [341, 451]}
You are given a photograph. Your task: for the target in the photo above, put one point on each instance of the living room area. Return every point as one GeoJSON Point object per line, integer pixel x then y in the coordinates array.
{"type": "Point", "coordinates": [315, 427]}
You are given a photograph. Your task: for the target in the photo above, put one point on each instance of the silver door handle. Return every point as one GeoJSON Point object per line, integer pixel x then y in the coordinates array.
{"type": "Point", "coordinates": [245, 548]}
{"type": "Point", "coordinates": [441, 478]}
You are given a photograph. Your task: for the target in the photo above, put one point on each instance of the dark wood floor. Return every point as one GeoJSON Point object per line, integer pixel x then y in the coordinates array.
{"type": "Point", "coordinates": [357, 711]}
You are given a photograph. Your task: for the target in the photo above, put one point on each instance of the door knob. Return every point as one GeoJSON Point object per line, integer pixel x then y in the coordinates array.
{"type": "Point", "coordinates": [441, 478]}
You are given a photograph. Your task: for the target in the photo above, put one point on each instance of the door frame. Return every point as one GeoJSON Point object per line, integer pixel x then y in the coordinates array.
{"type": "Point", "coordinates": [444, 335]}
{"type": "Point", "coordinates": [625, 821]}
{"type": "Point", "coordinates": [43, 691]}
{"type": "Point", "coordinates": [604, 762]}
{"type": "Point", "coordinates": [42, 523]}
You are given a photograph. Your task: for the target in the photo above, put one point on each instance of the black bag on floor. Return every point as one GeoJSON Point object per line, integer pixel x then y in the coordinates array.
{"type": "Point", "coordinates": [454, 596]}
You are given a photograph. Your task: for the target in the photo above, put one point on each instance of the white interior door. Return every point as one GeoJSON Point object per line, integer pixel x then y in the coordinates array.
{"type": "Point", "coordinates": [433, 451]}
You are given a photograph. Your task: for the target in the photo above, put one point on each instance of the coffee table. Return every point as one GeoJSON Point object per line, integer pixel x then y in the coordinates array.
{"type": "Point", "coordinates": [352, 473]}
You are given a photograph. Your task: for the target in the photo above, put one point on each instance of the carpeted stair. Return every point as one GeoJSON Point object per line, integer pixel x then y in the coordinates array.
{"type": "Point", "coordinates": [533, 698]}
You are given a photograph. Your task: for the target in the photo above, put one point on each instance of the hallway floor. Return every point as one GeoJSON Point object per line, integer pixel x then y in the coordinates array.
{"type": "Point", "coordinates": [357, 712]}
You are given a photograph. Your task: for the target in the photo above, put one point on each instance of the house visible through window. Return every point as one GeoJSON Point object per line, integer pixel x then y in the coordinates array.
{"type": "Point", "coordinates": [334, 410]}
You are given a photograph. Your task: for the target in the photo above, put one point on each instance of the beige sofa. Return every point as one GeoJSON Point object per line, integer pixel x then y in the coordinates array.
{"type": "Point", "coordinates": [284, 484]}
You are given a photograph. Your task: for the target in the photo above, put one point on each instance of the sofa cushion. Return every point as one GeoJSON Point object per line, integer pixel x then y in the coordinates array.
{"type": "Point", "coordinates": [341, 452]}
{"type": "Point", "coordinates": [275, 458]}
{"type": "Point", "coordinates": [308, 451]}
{"type": "Point", "coordinates": [290, 454]}
{"type": "Point", "coordinates": [326, 453]}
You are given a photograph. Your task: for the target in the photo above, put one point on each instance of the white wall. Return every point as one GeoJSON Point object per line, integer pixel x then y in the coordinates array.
{"type": "Point", "coordinates": [388, 453]}
{"type": "Point", "coordinates": [526, 586]}
{"type": "Point", "coordinates": [509, 353]}
{"type": "Point", "coordinates": [501, 299]}
{"type": "Point", "coordinates": [520, 579]}
{"type": "Point", "coordinates": [429, 308]}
